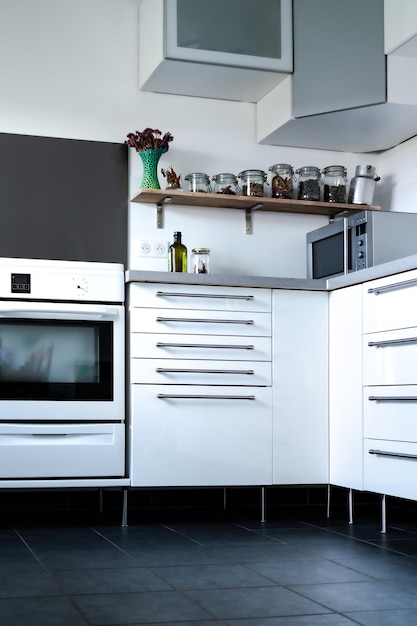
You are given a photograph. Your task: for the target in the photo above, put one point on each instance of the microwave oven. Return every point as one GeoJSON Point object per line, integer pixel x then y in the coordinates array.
{"type": "Point", "coordinates": [363, 240]}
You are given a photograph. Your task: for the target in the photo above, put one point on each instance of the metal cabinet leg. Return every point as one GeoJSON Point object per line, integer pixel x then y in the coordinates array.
{"type": "Point", "coordinates": [383, 514]}
{"type": "Point", "coordinates": [224, 498]}
{"type": "Point", "coordinates": [263, 503]}
{"type": "Point", "coordinates": [124, 508]}
{"type": "Point", "coordinates": [328, 502]}
{"type": "Point", "coordinates": [350, 498]}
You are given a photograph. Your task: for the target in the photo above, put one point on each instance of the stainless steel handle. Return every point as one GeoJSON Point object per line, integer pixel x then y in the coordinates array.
{"type": "Point", "coordinates": [392, 342]}
{"type": "Point", "coordinates": [202, 320]}
{"type": "Point", "coordinates": [402, 285]}
{"type": "Point", "coordinates": [392, 398]}
{"type": "Point", "coordinates": [167, 396]}
{"type": "Point", "coordinates": [59, 312]}
{"type": "Point", "coordinates": [163, 370]}
{"type": "Point", "coordinates": [171, 294]}
{"type": "Point", "coordinates": [402, 455]}
{"type": "Point", "coordinates": [161, 344]}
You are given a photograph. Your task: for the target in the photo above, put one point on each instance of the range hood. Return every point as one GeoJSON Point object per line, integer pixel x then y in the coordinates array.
{"type": "Point", "coordinates": [345, 94]}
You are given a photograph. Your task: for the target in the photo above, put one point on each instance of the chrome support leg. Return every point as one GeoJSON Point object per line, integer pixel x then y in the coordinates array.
{"type": "Point", "coordinates": [350, 506]}
{"type": "Point", "coordinates": [124, 508]}
{"type": "Point", "coordinates": [383, 514]}
{"type": "Point", "coordinates": [100, 499]}
{"type": "Point", "coordinates": [224, 498]}
{"type": "Point", "coordinates": [328, 502]}
{"type": "Point", "coordinates": [263, 496]}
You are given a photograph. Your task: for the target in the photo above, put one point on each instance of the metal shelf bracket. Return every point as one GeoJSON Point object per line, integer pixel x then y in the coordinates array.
{"type": "Point", "coordinates": [248, 219]}
{"type": "Point", "coordinates": [159, 211]}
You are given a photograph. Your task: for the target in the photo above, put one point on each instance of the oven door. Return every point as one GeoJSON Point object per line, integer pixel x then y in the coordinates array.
{"type": "Point", "coordinates": [61, 362]}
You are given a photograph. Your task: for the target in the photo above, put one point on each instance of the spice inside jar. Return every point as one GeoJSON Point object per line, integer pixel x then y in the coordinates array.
{"type": "Point", "coordinates": [282, 181]}
{"type": "Point", "coordinates": [226, 184]}
{"type": "Point", "coordinates": [252, 182]}
{"type": "Point", "coordinates": [334, 189]}
{"type": "Point", "coordinates": [309, 183]}
{"type": "Point", "coordinates": [199, 182]}
{"type": "Point", "coordinates": [200, 260]}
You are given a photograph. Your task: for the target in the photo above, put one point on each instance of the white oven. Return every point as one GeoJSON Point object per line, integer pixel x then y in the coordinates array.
{"type": "Point", "coordinates": [62, 390]}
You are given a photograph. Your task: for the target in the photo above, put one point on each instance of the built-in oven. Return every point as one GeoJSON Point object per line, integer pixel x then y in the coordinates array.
{"type": "Point", "coordinates": [62, 389]}
{"type": "Point", "coordinates": [363, 240]}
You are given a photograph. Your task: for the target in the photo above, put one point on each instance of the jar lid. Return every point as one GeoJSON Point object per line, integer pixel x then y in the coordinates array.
{"type": "Point", "coordinates": [308, 170]}
{"type": "Point", "coordinates": [197, 176]}
{"type": "Point", "coordinates": [281, 167]}
{"type": "Point", "coordinates": [249, 173]}
{"type": "Point", "coordinates": [335, 170]}
{"type": "Point", "coordinates": [225, 176]}
{"type": "Point", "coordinates": [201, 250]}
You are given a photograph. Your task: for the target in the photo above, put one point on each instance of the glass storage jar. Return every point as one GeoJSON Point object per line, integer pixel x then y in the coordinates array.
{"type": "Point", "coordinates": [309, 183]}
{"type": "Point", "coordinates": [282, 181]}
{"type": "Point", "coordinates": [334, 186]}
{"type": "Point", "coordinates": [198, 181]}
{"type": "Point", "coordinates": [226, 183]}
{"type": "Point", "coordinates": [200, 260]}
{"type": "Point", "coordinates": [252, 182]}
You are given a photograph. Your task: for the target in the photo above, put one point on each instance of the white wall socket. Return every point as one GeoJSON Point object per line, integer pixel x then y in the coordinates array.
{"type": "Point", "coordinates": [152, 249]}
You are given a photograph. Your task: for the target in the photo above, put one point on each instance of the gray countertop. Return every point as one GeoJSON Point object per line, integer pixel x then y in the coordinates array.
{"type": "Point", "coordinates": [379, 271]}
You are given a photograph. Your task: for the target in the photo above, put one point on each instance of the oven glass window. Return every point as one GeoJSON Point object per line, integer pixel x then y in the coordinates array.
{"type": "Point", "coordinates": [328, 256]}
{"type": "Point", "coordinates": [55, 360]}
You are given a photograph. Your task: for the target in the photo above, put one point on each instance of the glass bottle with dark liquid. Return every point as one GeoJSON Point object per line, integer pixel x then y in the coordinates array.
{"type": "Point", "coordinates": [177, 255]}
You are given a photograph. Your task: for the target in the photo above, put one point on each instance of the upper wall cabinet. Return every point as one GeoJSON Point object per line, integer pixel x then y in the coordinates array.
{"type": "Point", "coordinates": [401, 27]}
{"type": "Point", "coordinates": [234, 50]}
{"type": "Point", "coordinates": [345, 94]}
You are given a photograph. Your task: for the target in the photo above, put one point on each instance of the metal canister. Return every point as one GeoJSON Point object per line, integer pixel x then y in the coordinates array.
{"type": "Point", "coordinates": [362, 186]}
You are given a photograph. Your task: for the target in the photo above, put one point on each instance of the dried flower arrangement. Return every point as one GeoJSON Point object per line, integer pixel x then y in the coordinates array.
{"type": "Point", "coordinates": [173, 179]}
{"type": "Point", "coordinates": [148, 139]}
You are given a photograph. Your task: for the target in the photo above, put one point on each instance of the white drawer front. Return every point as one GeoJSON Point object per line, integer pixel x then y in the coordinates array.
{"type": "Point", "coordinates": [390, 467]}
{"type": "Point", "coordinates": [391, 303]}
{"type": "Point", "coordinates": [201, 322]}
{"type": "Point", "coordinates": [199, 297]}
{"type": "Point", "coordinates": [202, 437]}
{"type": "Point", "coordinates": [149, 345]}
{"type": "Point", "coordinates": [194, 372]}
{"type": "Point", "coordinates": [390, 412]}
{"type": "Point", "coordinates": [389, 358]}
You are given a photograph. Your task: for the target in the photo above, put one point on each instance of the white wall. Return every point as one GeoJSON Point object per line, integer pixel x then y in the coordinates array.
{"type": "Point", "coordinates": [70, 69]}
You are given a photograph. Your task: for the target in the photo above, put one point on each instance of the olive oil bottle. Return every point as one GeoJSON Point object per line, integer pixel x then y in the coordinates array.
{"type": "Point", "coordinates": [177, 255]}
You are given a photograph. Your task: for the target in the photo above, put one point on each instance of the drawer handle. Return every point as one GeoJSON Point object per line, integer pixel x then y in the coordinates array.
{"type": "Point", "coordinates": [163, 370]}
{"type": "Point", "coordinates": [404, 284]}
{"type": "Point", "coordinates": [392, 342]}
{"type": "Point", "coordinates": [169, 294]}
{"type": "Point", "coordinates": [207, 321]}
{"type": "Point", "coordinates": [161, 344]}
{"type": "Point", "coordinates": [167, 396]}
{"type": "Point", "coordinates": [393, 398]}
{"type": "Point", "coordinates": [402, 455]}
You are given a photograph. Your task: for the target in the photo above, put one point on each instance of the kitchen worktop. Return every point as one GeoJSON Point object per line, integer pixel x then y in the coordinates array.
{"type": "Point", "coordinates": [272, 282]}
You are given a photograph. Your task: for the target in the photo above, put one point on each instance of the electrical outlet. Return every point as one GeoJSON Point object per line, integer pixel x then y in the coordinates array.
{"type": "Point", "coordinates": [152, 249]}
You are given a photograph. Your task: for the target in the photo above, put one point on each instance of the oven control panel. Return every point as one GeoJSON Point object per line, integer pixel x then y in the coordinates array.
{"type": "Point", "coordinates": [20, 283]}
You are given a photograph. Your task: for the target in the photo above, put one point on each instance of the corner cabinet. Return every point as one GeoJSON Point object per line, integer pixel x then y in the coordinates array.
{"type": "Point", "coordinates": [249, 204]}
{"type": "Point", "coordinates": [195, 48]}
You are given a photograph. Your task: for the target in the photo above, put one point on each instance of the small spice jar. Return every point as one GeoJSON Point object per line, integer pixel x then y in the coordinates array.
{"type": "Point", "coordinates": [334, 189]}
{"type": "Point", "coordinates": [252, 182]}
{"type": "Point", "coordinates": [200, 260]}
{"type": "Point", "coordinates": [309, 183]}
{"type": "Point", "coordinates": [282, 181]}
{"type": "Point", "coordinates": [226, 183]}
{"type": "Point", "coordinates": [198, 181]}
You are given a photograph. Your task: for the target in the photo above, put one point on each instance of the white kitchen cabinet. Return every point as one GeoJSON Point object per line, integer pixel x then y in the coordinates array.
{"type": "Point", "coordinates": [390, 467]}
{"type": "Point", "coordinates": [238, 50]}
{"type": "Point", "coordinates": [400, 26]}
{"type": "Point", "coordinates": [200, 381]}
{"type": "Point", "coordinates": [300, 387]}
{"type": "Point", "coordinates": [345, 387]}
{"type": "Point", "coordinates": [390, 303]}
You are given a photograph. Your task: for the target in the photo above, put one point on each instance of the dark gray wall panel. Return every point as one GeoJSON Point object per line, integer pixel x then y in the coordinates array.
{"type": "Point", "coordinates": [63, 199]}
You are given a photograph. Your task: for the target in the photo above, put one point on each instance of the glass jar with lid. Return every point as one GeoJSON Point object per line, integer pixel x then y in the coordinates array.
{"type": "Point", "coordinates": [198, 181]}
{"type": "Point", "coordinates": [334, 188]}
{"type": "Point", "coordinates": [309, 183]}
{"type": "Point", "coordinates": [253, 182]}
{"type": "Point", "coordinates": [200, 260]}
{"type": "Point", "coordinates": [282, 181]}
{"type": "Point", "coordinates": [226, 183]}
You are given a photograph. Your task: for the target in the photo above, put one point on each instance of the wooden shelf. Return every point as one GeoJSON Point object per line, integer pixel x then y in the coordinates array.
{"type": "Point", "coordinates": [160, 197]}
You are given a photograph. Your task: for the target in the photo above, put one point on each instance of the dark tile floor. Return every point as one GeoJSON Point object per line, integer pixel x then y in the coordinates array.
{"type": "Point", "coordinates": [200, 570]}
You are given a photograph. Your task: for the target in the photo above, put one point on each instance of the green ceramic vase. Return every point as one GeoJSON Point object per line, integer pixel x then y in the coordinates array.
{"type": "Point", "coordinates": [150, 160]}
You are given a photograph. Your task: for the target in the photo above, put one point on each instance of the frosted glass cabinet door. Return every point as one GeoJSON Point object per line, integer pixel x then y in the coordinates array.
{"type": "Point", "coordinates": [241, 33]}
